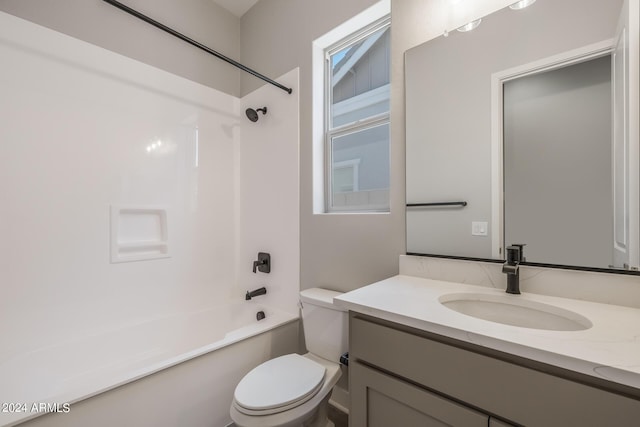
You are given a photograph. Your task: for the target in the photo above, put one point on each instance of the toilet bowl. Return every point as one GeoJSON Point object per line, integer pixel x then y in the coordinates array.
{"type": "Point", "coordinates": [294, 390]}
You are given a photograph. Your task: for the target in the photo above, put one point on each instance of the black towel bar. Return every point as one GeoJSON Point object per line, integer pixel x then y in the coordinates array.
{"type": "Point", "coordinates": [412, 205]}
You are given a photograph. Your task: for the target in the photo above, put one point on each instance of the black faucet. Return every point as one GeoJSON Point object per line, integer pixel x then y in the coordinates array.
{"type": "Point", "coordinates": [511, 267]}
{"type": "Point", "coordinates": [260, 291]}
{"type": "Point", "coordinates": [263, 264]}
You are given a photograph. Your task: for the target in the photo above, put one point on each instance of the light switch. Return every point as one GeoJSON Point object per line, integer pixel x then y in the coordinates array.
{"type": "Point", "coordinates": [479, 228]}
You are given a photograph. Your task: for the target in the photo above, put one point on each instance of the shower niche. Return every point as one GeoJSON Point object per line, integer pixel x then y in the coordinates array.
{"type": "Point", "coordinates": [138, 233]}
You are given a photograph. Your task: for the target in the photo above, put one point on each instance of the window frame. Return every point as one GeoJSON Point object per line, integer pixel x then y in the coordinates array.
{"type": "Point", "coordinates": [349, 128]}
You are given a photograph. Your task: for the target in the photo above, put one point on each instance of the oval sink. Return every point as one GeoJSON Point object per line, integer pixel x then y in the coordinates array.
{"type": "Point", "coordinates": [515, 311]}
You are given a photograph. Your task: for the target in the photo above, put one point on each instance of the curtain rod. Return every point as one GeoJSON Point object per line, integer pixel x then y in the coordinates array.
{"type": "Point", "coordinates": [195, 43]}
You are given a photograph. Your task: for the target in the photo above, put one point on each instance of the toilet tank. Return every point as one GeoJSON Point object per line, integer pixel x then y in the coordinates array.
{"type": "Point", "coordinates": [326, 327]}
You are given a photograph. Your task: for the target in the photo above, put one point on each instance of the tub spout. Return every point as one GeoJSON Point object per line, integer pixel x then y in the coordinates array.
{"type": "Point", "coordinates": [260, 291]}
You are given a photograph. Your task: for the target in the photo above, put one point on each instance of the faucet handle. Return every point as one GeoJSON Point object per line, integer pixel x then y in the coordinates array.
{"type": "Point", "coordinates": [263, 264]}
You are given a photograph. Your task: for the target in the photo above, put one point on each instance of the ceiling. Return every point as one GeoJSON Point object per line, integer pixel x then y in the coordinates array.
{"type": "Point", "coordinates": [237, 7]}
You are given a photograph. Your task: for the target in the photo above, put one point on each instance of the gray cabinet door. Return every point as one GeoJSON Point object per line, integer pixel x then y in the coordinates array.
{"type": "Point", "coordinates": [381, 400]}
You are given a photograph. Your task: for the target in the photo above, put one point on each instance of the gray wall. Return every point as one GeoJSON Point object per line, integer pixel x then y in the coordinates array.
{"type": "Point", "coordinates": [557, 164]}
{"type": "Point", "coordinates": [103, 25]}
{"type": "Point", "coordinates": [338, 251]}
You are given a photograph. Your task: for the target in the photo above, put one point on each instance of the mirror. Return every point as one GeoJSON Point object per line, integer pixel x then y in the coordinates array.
{"type": "Point", "coordinates": [518, 132]}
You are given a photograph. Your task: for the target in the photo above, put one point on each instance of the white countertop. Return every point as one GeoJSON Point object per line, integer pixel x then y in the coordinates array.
{"type": "Point", "coordinates": [609, 350]}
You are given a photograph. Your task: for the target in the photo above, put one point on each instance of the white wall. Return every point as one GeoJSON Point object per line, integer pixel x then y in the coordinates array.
{"type": "Point", "coordinates": [101, 24]}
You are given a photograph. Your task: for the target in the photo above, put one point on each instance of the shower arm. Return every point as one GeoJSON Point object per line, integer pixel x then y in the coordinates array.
{"type": "Point", "coordinates": [199, 45]}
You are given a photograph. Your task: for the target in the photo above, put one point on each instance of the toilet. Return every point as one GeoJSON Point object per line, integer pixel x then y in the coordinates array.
{"type": "Point", "coordinates": [294, 390]}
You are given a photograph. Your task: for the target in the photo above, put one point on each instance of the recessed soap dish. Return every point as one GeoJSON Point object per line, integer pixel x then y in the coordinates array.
{"type": "Point", "coordinates": [138, 233]}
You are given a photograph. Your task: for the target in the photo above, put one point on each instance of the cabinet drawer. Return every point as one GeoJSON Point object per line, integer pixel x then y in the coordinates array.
{"type": "Point", "coordinates": [512, 392]}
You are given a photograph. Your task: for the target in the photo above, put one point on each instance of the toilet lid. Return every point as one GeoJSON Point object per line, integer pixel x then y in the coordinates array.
{"type": "Point", "coordinates": [279, 382]}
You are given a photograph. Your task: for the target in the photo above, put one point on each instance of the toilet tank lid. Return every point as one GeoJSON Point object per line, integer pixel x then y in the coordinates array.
{"type": "Point", "coordinates": [320, 297]}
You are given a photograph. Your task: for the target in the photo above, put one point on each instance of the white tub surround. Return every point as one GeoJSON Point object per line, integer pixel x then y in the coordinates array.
{"type": "Point", "coordinates": [105, 159]}
{"type": "Point", "coordinates": [268, 203]}
{"type": "Point", "coordinates": [608, 350]}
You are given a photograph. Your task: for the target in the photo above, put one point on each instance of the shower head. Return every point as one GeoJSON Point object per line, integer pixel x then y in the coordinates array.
{"type": "Point", "coordinates": [253, 114]}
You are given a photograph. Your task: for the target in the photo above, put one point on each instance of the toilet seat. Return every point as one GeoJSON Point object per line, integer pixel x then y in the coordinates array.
{"type": "Point", "coordinates": [278, 385]}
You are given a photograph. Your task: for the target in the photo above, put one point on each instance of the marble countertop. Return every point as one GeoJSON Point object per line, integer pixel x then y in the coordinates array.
{"type": "Point", "coordinates": [609, 349]}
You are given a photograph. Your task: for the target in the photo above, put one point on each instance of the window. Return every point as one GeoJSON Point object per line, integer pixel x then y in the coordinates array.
{"type": "Point", "coordinates": [357, 81]}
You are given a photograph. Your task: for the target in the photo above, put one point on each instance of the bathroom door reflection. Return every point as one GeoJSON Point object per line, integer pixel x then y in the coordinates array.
{"type": "Point", "coordinates": [559, 122]}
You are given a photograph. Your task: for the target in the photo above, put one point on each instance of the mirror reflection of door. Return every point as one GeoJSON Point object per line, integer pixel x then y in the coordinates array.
{"type": "Point", "coordinates": [625, 195]}
{"type": "Point", "coordinates": [620, 154]}
{"type": "Point", "coordinates": [559, 122]}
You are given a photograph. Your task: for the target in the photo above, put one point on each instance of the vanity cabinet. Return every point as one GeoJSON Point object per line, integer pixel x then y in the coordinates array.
{"type": "Point", "coordinates": [404, 376]}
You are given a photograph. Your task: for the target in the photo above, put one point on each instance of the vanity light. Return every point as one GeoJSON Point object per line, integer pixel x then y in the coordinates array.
{"type": "Point", "coordinates": [522, 4]}
{"type": "Point", "coordinates": [470, 26]}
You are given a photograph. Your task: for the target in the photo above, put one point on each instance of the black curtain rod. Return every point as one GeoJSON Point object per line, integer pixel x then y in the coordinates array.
{"type": "Point", "coordinates": [181, 36]}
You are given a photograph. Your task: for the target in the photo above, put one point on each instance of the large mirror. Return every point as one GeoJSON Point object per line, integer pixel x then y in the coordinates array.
{"type": "Point", "coordinates": [518, 132]}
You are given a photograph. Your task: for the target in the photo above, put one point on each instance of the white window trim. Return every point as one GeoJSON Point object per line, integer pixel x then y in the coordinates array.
{"type": "Point", "coordinates": [365, 18]}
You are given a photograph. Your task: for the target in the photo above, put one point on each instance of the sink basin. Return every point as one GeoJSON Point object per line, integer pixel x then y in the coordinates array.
{"type": "Point", "coordinates": [516, 311]}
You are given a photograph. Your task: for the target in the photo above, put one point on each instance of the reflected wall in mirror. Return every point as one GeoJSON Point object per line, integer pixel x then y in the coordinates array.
{"type": "Point", "coordinates": [526, 118]}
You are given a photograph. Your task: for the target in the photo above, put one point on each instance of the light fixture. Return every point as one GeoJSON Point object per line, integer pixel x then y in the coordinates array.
{"type": "Point", "coordinates": [521, 4]}
{"type": "Point", "coordinates": [470, 26]}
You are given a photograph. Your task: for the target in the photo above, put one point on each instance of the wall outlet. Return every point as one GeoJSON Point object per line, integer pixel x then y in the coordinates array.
{"type": "Point", "coordinates": [479, 228]}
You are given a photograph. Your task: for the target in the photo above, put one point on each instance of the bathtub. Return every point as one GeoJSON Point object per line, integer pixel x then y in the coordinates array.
{"type": "Point", "coordinates": [177, 370]}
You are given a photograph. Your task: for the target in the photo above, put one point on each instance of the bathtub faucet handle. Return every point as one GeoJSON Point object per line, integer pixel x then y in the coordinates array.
{"type": "Point", "coordinates": [263, 264]}
{"type": "Point", "coordinates": [259, 291]}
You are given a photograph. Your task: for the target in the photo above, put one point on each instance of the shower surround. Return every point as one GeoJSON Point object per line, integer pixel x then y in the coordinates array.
{"type": "Point", "coordinates": [132, 195]}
